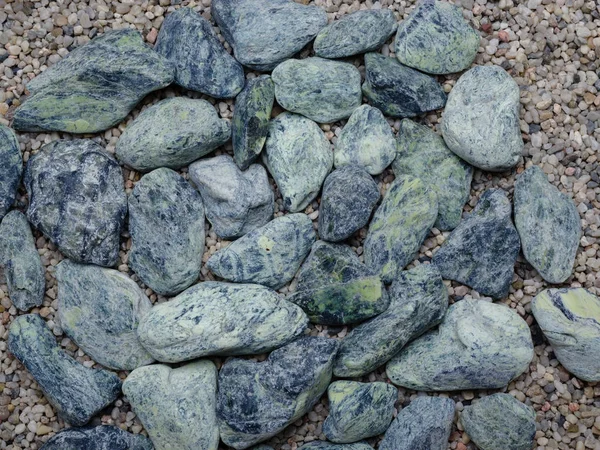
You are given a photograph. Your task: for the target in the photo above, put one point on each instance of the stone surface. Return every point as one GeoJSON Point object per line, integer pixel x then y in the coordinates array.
{"type": "Point", "coordinates": [11, 168]}
{"type": "Point", "coordinates": [104, 437]}
{"type": "Point", "coordinates": [323, 445]}
{"type": "Point", "coordinates": [83, 209]}
{"type": "Point", "coordinates": [257, 400]}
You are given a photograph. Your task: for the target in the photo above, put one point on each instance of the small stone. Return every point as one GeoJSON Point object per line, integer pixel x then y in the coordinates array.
{"type": "Point", "coordinates": [11, 168]}
{"type": "Point", "coordinates": [322, 445]}
{"type": "Point", "coordinates": [104, 437]}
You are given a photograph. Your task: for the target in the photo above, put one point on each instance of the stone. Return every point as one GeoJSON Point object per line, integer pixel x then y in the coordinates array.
{"type": "Point", "coordinates": [95, 87]}
{"type": "Point", "coordinates": [418, 302]}
{"type": "Point", "coordinates": [270, 255]}
{"type": "Point", "coordinates": [548, 224]}
{"type": "Point", "coordinates": [201, 63]}
{"type": "Point", "coordinates": [348, 199]}
{"type": "Point", "coordinates": [75, 392]}
{"type": "Point", "coordinates": [257, 400]}
{"type": "Point", "coordinates": [479, 345]}
{"type": "Point", "coordinates": [166, 223]}
{"type": "Point", "coordinates": [299, 157]}
{"type": "Point", "coordinates": [176, 405]}
{"type": "Point", "coordinates": [216, 318]}
{"type": "Point", "coordinates": [400, 91]}
{"type": "Point", "coordinates": [399, 226]}
{"type": "Point", "coordinates": [11, 168]}
{"type": "Point", "coordinates": [423, 154]}
{"type": "Point", "coordinates": [172, 133]}
{"type": "Point", "coordinates": [83, 210]}
{"type": "Point", "coordinates": [237, 202]}
{"type": "Point", "coordinates": [482, 250]}
{"type": "Point", "coordinates": [264, 34]}
{"type": "Point", "coordinates": [100, 310]}
{"type": "Point", "coordinates": [322, 445]}
{"type": "Point", "coordinates": [481, 119]}
{"type": "Point", "coordinates": [104, 437]}
{"type": "Point", "coordinates": [320, 89]}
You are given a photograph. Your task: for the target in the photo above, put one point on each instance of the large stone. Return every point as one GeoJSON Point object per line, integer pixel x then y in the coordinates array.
{"type": "Point", "coordinates": [481, 119]}
{"type": "Point", "coordinates": [104, 437]}
{"type": "Point", "coordinates": [270, 255]}
{"type": "Point", "coordinates": [418, 302]}
{"type": "Point", "coordinates": [75, 392]}
{"type": "Point", "coordinates": [263, 34]}
{"type": "Point", "coordinates": [548, 224]}
{"type": "Point", "coordinates": [481, 252]}
{"type": "Point", "coordinates": [236, 202]}
{"type": "Point", "coordinates": [11, 168]}
{"type": "Point", "coordinates": [214, 318]}
{"type": "Point", "coordinates": [479, 345]}
{"type": "Point", "coordinates": [299, 157]}
{"type": "Point", "coordinates": [423, 154]}
{"type": "Point", "coordinates": [83, 209]}
{"type": "Point", "coordinates": [166, 223]}
{"type": "Point", "coordinates": [323, 445]}
{"type": "Point", "coordinates": [257, 400]}
{"type": "Point", "coordinates": [176, 406]}
{"type": "Point", "coordinates": [95, 86]}
{"type": "Point", "coordinates": [172, 133]}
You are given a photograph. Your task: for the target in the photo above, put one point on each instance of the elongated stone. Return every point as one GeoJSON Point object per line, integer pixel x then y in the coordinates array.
{"type": "Point", "coordinates": [176, 406]}
{"type": "Point", "coordinates": [11, 168]}
{"type": "Point", "coordinates": [172, 133]}
{"type": "Point", "coordinates": [95, 86]}
{"type": "Point", "coordinates": [322, 445]}
{"type": "Point", "coordinates": [214, 318]}
{"type": "Point", "coordinates": [257, 400]}
{"type": "Point", "coordinates": [74, 391]}
{"type": "Point", "coordinates": [548, 224]}
{"type": "Point", "coordinates": [481, 252]}
{"type": "Point", "coordinates": [399, 226]}
{"type": "Point", "coordinates": [270, 255]}
{"type": "Point", "coordinates": [418, 302]}
{"type": "Point", "coordinates": [104, 437]}
{"type": "Point", "coordinates": [82, 211]}
{"type": "Point", "coordinates": [479, 345]}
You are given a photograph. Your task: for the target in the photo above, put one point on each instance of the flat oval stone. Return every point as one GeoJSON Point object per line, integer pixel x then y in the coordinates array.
{"type": "Point", "coordinates": [172, 133]}
{"type": "Point", "coordinates": [104, 437]}
{"type": "Point", "coordinates": [481, 119]}
{"type": "Point", "coordinates": [214, 318]}
{"type": "Point", "coordinates": [548, 224]}
{"type": "Point", "coordinates": [11, 168]}
{"type": "Point", "coordinates": [479, 345]}
{"type": "Point", "coordinates": [76, 392]}
{"type": "Point", "coordinates": [166, 223]}
{"type": "Point", "coordinates": [322, 445]}
{"type": "Point", "coordinates": [270, 255]}
{"type": "Point", "coordinates": [82, 211]}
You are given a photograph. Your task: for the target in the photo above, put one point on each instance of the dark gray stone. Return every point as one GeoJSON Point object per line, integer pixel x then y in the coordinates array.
{"type": "Point", "coordinates": [104, 437]}
{"type": "Point", "coordinates": [11, 168]}
{"type": "Point", "coordinates": [322, 445]}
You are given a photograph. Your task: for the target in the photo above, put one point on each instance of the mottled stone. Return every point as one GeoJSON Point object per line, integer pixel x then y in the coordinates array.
{"type": "Point", "coordinates": [481, 119]}
{"type": "Point", "coordinates": [11, 168]}
{"type": "Point", "coordinates": [323, 445]}
{"type": "Point", "coordinates": [75, 392]}
{"type": "Point", "coordinates": [479, 345]}
{"type": "Point", "coordinates": [214, 318]}
{"type": "Point", "coordinates": [482, 250]}
{"type": "Point", "coordinates": [257, 400]}
{"type": "Point", "coordinates": [104, 437]}
{"type": "Point", "coordinates": [95, 86]}
{"type": "Point", "coordinates": [83, 209]}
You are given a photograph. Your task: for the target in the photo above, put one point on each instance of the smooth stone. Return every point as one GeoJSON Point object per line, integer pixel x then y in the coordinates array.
{"type": "Point", "coordinates": [95, 87]}
{"type": "Point", "coordinates": [548, 224]}
{"type": "Point", "coordinates": [400, 225]}
{"type": "Point", "coordinates": [82, 211]}
{"type": "Point", "coordinates": [398, 90]}
{"type": "Point", "coordinates": [264, 34]}
{"type": "Point", "coordinates": [479, 345]}
{"type": "Point", "coordinates": [570, 320]}
{"type": "Point", "coordinates": [11, 168]}
{"type": "Point", "coordinates": [481, 119]}
{"type": "Point", "coordinates": [257, 400]}
{"type": "Point", "coordinates": [166, 223]}
{"type": "Point", "coordinates": [299, 157]}
{"type": "Point", "coordinates": [348, 199]}
{"type": "Point", "coordinates": [177, 406]}
{"type": "Point", "coordinates": [322, 445]}
{"type": "Point", "coordinates": [172, 133]}
{"type": "Point", "coordinates": [215, 318]}
{"type": "Point", "coordinates": [262, 447]}
{"type": "Point", "coordinates": [21, 261]}
{"type": "Point", "coordinates": [237, 202]}
{"type": "Point", "coordinates": [482, 250]}
{"type": "Point", "coordinates": [201, 63]}
{"type": "Point", "coordinates": [270, 255]}
{"type": "Point", "coordinates": [104, 437]}
{"type": "Point", "coordinates": [75, 392]}
{"type": "Point", "coordinates": [418, 302]}
{"type": "Point", "coordinates": [423, 154]}
{"type": "Point", "coordinates": [100, 310]}
{"type": "Point", "coordinates": [320, 89]}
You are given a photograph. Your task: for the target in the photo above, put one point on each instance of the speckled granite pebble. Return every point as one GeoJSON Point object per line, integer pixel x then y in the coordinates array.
{"type": "Point", "coordinates": [104, 437]}
{"type": "Point", "coordinates": [322, 445]}
{"type": "Point", "coordinates": [11, 168]}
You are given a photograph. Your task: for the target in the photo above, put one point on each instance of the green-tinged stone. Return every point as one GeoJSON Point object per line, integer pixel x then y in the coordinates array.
{"type": "Point", "coordinates": [322, 445]}
{"type": "Point", "coordinates": [104, 437]}
{"type": "Point", "coordinates": [11, 168]}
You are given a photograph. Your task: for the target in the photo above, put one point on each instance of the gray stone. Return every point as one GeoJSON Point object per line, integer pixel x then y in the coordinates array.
{"type": "Point", "coordinates": [11, 168]}
{"type": "Point", "coordinates": [322, 445]}
{"type": "Point", "coordinates": [104, 437]}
